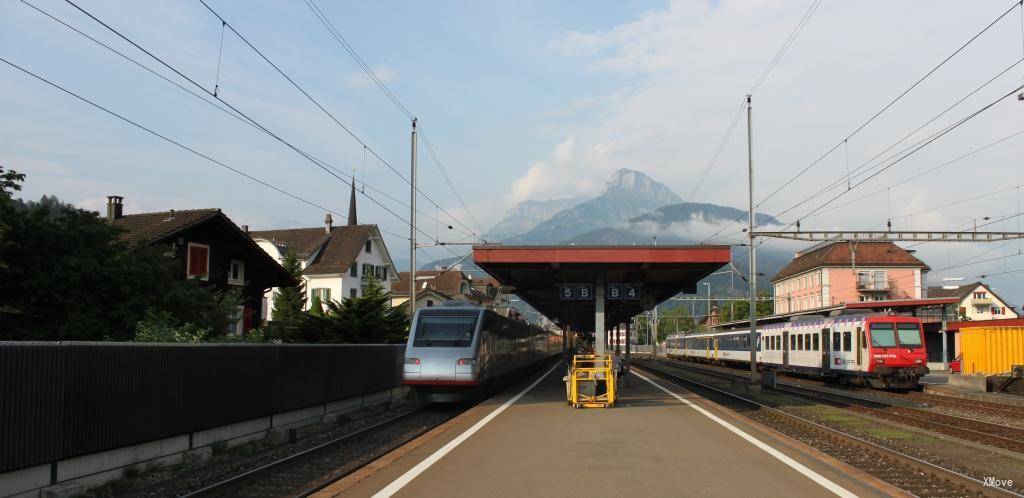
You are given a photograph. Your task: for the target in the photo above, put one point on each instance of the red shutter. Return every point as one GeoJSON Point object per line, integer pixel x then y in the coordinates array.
{"type": "Point", "coordinates": [197, 259]}
{"type": "Point", "coordinates": [246, 320]}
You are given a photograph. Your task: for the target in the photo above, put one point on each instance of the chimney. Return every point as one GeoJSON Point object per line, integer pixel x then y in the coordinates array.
{"type": "Point", "coordinates": [245, 228]}
{"type": "Point", "coordinates": [115, 207]}
{"type": "Point", "coordinates": [327, 223]}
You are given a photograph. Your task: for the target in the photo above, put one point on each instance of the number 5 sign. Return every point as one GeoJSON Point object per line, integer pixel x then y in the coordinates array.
{"type": "Point", "coordinates": [579, 292]}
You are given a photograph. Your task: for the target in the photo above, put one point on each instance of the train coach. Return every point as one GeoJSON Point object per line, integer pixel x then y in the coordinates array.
{"type": "Point", "coordinates": [459, 351]}
{"type": "Point", "coordinates": [882, 351]}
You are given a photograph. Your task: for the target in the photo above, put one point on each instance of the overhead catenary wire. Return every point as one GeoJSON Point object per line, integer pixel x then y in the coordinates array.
{"type": "Point", "coordinates": [324, 110]}
{"type": "Point", "coordinates": [214, 103]}
{"type": "Point", "coordinates": [338, 37]}
{"type": "Point", "coordinates": [238, 111]}
{"type": "Point", "coordinates": [173, 141]}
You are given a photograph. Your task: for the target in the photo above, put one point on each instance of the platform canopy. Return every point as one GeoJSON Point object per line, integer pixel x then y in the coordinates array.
{"type": "Point", "coordinates": [540, 275]}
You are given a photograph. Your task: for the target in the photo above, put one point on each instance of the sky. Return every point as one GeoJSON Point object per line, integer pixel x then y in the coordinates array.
{"type": "Point", "coordinates": [528, 100]}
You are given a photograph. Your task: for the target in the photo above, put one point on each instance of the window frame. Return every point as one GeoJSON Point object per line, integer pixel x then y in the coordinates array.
{"type": "Point", "coordinates": [205, 276]}
{"type": "Point", "coordinates": [353, 271]}
{"type": "Point", "coordinates": [847, 341]}
{"type": "Point", "coordinates": [231, 270]}
{"type": "Point", "coordinates": [368, 247]}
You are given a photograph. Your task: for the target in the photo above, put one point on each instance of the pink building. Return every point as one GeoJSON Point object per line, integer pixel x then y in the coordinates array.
{"type": "Point", "coordinates": [844, 272]}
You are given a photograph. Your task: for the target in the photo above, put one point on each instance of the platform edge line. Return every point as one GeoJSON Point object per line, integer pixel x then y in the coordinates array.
{"type": "Point", "coordinates": [782, 457]}
{"type": "Point", "coordinates": [414, 472]}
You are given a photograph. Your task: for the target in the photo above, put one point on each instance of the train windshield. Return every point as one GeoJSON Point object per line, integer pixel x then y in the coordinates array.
{"type": "Point", "coordinates": [910, 335]}
{"type": "Point", "coordinates": [445, 331]}
{"type": "Point", "coordinates": [882, 335]}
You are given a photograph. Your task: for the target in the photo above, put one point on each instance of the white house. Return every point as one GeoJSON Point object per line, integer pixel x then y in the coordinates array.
{"type": "Point", "coordinates": [977, 302]}
{"type": "Point", "coordinates": [335, 261]}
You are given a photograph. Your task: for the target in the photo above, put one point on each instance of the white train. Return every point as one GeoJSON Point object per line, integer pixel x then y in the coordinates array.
{"type": "Point", "coordinates": [459, 351]}
{"type": "Point", "coordinates": [882, 351]}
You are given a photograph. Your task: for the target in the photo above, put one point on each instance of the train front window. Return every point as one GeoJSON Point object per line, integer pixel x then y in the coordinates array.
{"type": "Point", "coordinates": [883, 335]}
{"type": "Point", "coordinates": [445, 331]}
{"type": "Point", "coordinates": [909, 334]}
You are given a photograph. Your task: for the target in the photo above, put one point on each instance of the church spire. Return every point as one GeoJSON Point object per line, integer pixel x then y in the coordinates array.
{"type": "Point", "coordinates": [352, 202]}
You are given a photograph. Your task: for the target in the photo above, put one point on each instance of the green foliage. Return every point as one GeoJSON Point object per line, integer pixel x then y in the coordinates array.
{"type": "Point", "coordinates": [742, 309]}
{"type": "Point", "coordinates": [10, 181]}
{"type": "Point", "coordinates": [69, 277]}
{"type": "Point", "coordinates": [367, 319]}
{"type": "Point", "coordinates": [289, 301]}
{"type": "Point", "coordinates": [162, 326]}
{"type": "Point", "coordinates": [316, 308]}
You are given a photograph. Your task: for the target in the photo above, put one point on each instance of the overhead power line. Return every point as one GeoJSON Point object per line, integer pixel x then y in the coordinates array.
{"type": "Point", "coordinates": [890, 104]}
{"type": "Point", "coordinates": [216, 104]}
{"type": "Point", "coordinates": [338, 37]}
{"type": "Point", "coordinates": [175, 142]}
{"type": "Point", "coordinates": [325, 111]}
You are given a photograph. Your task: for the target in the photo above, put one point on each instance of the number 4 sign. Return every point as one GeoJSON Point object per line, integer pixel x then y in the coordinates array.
{"type": "Point", "coordinates": [623, 291]}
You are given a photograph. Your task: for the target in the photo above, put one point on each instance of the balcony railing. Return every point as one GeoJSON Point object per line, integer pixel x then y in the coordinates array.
{"type": "Point", "coordinates": [870, 286]}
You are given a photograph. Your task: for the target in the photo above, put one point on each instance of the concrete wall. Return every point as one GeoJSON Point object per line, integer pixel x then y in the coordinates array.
{"type": "Point", "coordinates": [74, 476]}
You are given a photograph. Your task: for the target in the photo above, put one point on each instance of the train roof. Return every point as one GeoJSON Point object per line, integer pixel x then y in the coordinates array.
{"type": "Point", "coordinates": [801, 323]}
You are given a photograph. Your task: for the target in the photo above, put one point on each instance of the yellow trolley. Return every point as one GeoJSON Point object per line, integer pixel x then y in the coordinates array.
{"type": "Point", "coordinates": [591, 381]}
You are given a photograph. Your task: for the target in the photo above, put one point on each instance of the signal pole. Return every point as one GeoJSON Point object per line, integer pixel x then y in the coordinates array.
{"type": "Point", "coordinates": [750, 239]}
{"type": "Point", "coordinates": [412, 229]}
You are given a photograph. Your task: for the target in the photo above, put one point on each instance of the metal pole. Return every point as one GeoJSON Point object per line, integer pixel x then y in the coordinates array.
{"type": "Point", "coordinates": [412, 227]}
{"type": "Point", "coordinates": [943, 334]}
{"type": "Point", "coordinates": [709, 303]}
{"type": "Point", "coordinates": [654, 332]}
{"type": "Point", "coordinates": [750, 238]}
{"type": "Point", "coordinates": [599, 332]}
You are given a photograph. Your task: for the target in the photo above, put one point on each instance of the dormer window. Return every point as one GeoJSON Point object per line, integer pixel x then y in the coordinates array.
{"type": "Point", "coordinates": [369, 246]}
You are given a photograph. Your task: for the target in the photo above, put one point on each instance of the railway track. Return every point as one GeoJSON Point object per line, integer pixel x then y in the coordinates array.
{"type": "Point", "coordinates": [899, 410]}
{"type": "Point", "coordinates": [308, 471]}
{"type": "Point", "coordinates": [916, 476]}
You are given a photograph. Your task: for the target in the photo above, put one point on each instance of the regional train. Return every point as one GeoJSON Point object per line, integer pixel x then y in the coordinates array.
{"type": "Point", "coordinates": [881, 351]}
{"type": "Point", "coordinates": [458, 351]}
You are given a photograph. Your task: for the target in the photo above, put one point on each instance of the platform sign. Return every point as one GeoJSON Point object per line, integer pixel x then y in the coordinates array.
{"type": "Point", "coordinates": [623, 291]}
{"type": "Point", "coordinates": [576, 292]}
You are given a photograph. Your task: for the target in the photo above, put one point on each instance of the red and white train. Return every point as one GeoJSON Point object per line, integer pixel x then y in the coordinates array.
{"type": "Point", "coordinates": [883, 351]}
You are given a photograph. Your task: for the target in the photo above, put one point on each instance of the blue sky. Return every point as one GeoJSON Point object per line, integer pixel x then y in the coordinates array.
{"type": "Point", "coordinates": [522, 100]}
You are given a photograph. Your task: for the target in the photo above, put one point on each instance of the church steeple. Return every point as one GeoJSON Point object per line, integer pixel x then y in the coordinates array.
{"type": "Point", "coordinates": [352, 202]}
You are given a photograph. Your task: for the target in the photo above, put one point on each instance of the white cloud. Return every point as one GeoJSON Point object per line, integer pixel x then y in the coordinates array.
{"type": "Point", "coordinates": [362, 80]}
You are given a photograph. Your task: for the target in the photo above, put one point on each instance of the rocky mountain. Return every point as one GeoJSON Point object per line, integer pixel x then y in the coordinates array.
{"type": "Point", "coordinates": [626, 195]}
{"type": "Point", "coordinates": [528, 214]}
{"type": "Point", "coordinates": [700, 212]}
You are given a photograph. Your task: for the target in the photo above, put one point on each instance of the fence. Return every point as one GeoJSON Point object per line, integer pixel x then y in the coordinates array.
{"type": "Point", "coordinates": [59, 400]}
{"type": "Point", "coordinates": [991, 350]}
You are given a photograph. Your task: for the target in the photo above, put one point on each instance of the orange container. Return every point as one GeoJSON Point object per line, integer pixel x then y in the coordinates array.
{"type": "Point", "coordinates": [991, 350]}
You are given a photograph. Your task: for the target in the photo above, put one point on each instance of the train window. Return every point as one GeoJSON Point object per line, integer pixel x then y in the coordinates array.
{"type": "Point", "coordinates": [445, 331]}
{"type": "Point", "coordinates": [847, 341]}
{"type": "Point", "coordinates": [883, 335]}
{"type": "Point", "coordinates": [816, 346]}
{"type": "Point", "coordinates": [807, 342]}
{"type": "Point", "coordinates": [835, 341]}
{"type": "Point", "coordinates": [792, 342]}
{"type": "Point", "coordinates": [910, 335]}
{"type": "Point", "coordinates": [800, 342]}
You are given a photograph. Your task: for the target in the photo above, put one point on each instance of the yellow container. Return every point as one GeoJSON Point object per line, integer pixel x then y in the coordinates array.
{"type": "Point", "coordinates": [991, 350]}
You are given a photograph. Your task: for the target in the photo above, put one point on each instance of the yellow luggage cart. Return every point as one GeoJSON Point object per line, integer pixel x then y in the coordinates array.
{"type": "Point", "coordinates": [591, 381]}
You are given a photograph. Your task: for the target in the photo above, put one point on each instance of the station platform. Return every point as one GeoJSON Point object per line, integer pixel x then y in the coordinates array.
{"type": "Point", "coordinates": [660, 440]}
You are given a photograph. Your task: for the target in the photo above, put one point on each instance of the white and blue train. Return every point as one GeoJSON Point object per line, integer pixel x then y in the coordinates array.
{"type": "Point", "coordinates": [459, 351]}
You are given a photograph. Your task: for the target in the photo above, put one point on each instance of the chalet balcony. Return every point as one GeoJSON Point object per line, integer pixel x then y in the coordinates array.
{"type": "Point", "coordinates": [981, 301]}
{"type": "Point", "coordinates": [874, 287]}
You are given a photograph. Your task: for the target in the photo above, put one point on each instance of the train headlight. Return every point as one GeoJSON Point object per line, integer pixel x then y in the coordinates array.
{"type": "Point", "coordinates": [412, 361]}
{"type": "Point", "coordinates": [467, 361]}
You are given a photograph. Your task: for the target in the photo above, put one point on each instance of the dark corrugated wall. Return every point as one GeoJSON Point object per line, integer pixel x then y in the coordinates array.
{"type": "Point", "coordinates": [62, 400]}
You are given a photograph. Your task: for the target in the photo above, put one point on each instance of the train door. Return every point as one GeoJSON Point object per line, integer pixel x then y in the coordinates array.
{"type": "Point", "coordinates": [785, 349]}
{"type": "Point", "coordinates": [826, 360]}
{"type": "Point", "coordinates": [860, 344]}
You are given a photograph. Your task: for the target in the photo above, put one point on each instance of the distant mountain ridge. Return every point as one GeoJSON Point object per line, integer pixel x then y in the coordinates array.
{"type": "Point", "coordinates": [627, 194]}
{"type": "Point", "coordinates": [528, 214]}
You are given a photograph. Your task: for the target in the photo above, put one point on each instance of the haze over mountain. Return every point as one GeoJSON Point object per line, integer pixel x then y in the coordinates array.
{"type": "Point", "coordinates": [528, 214]}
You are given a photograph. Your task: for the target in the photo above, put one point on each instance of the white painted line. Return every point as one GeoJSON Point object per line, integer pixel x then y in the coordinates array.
{"type": "Point", "coordinates": [414, 472]}
{"type": "Point", "coordinates": [795, 465]}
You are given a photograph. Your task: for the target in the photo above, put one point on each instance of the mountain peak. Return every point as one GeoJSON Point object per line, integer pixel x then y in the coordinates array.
{"type": "Point", "coordinates": [635, 181]}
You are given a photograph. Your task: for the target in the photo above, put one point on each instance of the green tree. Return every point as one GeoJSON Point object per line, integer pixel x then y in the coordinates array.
{"type": "Point", "coordinates": [316, 307]}
{"type": "Point", "coordinates": [742, 309]}
{"type": "Point", "coordinates": [366, 319]}
{"type": "Point", "coordinates": [70, 277]}
{"type": "Point", "coordinates": [289, 301]}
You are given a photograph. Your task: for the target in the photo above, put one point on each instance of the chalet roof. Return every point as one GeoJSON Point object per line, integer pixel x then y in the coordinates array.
{"type": "Point", "coordinates": [154, 227]}
{"type": "Point", "coordinates": [335, 251]}
{"type": "Point", "coordinates": [959, 292]}
{"type": "Point", "coordinates": [445, 282]}
{"type": "Point", "coordinates": [884, 254]}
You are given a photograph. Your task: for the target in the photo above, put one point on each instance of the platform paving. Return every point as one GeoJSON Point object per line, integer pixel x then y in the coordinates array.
{"type": "Point", "coordinates": [651, 444]}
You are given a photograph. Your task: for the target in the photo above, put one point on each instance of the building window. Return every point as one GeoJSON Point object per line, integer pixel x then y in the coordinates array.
{"type": "Point", "coordinates": [369, 245]}
{"type": "Point", "coordinates": [236, 274]}
{"type": "Point", "coordinates": [430, 302]}
{"type": "Point", "coordinates": [323, 293]}
{"type": "Point", "coordinates": [198, 265]}
{"type": "Point", "coordinates": [980, 295]}
{"type": "Point", "coordinates": [998, 310]}
{"type": "Point", "coordinates": [353, 292]}
{"type": "Point", "coordinates": [353, 270]}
